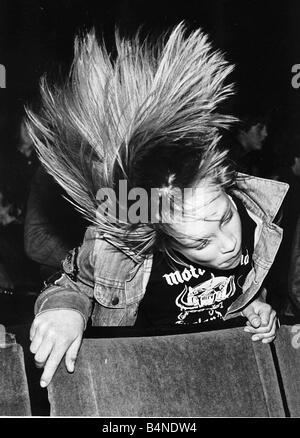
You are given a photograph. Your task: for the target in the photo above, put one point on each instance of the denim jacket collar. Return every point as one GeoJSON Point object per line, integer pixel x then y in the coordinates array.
{"type": "Point", "coordinates": [261, 196]}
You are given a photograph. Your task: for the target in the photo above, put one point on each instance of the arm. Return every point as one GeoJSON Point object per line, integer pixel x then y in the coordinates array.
{"type": "Point", "coordinates": [62, 311]}
{"type": "Point", "coordinates": [74, 286]}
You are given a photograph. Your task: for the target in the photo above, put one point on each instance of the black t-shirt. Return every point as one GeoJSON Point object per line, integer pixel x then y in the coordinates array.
{"type": "Point", "coordinates": [194, 294]}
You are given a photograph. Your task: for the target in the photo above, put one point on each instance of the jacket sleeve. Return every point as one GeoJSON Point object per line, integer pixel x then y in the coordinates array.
{"type": "Point", "coordinates": [74, 286]}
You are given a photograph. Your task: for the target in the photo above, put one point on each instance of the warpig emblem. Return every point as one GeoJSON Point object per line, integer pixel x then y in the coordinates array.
{"type": "Point", "coordinates": [207, 296]}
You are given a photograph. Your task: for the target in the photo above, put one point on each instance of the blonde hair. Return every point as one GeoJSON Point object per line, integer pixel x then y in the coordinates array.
{"type": "Point", "coordinates": [112, 117]}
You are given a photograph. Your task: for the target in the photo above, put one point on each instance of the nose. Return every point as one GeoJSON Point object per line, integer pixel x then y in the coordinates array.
{"type": "Point", "coordinates": [264, 132]}
{"type": "Point", "coordinates": [228, 242]}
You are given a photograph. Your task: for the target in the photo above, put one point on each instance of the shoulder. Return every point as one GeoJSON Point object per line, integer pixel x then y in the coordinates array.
{"type": "Point", "coordinates": [109, 259]}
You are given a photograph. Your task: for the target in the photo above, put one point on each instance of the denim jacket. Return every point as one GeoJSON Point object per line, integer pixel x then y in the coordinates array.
{"type": "Point", "coordinates": [101, 281]}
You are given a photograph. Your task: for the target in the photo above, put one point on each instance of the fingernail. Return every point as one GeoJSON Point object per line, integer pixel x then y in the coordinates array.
{"type": "Point", "coordinates": [43, 383]}
{"type": "Point", "coordinates": [255, 338]}
{"type": "Point", "coordinates": [246, 330]}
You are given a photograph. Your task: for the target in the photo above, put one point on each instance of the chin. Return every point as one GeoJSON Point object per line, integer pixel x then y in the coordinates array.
{"type": "Point", "coordinates": [231, 264]}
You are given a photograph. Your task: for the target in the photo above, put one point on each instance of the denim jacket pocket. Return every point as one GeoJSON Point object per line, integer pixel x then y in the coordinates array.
{"type": "Point", "coordinates": [110, 294]}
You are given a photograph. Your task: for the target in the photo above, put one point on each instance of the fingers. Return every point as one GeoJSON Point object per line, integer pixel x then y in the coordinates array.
{"type": "Point", "coordinates": [32, 331]}
{"type": "Point", "coordinates": [258, 314]}
{"type": "Point", "coordinates": [36, 342]}
{"type": "Point", "coordinates": [266, 337]}
{"type": "Point", "coordinates": [43, 353]}
{"type": "Point", "coordinates": [271, 333]}
{"type": "Point", "coordinates": [265, 314]}
{"type": "Point", "coordinates": [264, 333]}
{"type": "Point", "coordinates": [269, 323]}
{"type": "Point", "coordinates": [254, 320]}
{"type": "Point", "coordinates": [71, 354]}
{"type": "Point", "coordinates": [52, 363]}
{"type": "Point", "coordinates": [252, 314]}
{"type": "Point", "coordinates": [262, 328]}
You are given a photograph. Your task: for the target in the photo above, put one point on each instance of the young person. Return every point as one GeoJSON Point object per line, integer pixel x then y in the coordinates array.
{"type": "Point", "coordinates": [148, 122]}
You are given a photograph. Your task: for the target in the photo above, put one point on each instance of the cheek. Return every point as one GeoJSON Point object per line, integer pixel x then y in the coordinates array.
{"type": "Point", "coordinates": [235, 227]}
{"type": "Point", "coordinates": [239, 229]}
{"type": "Point", "coordinates": [205, 255]}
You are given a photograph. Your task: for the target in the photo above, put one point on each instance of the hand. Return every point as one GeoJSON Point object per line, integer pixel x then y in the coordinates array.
{"type": "Point", "coordinates": [52, 334]}
{"type": "Point", "coordinates": [261, 322]}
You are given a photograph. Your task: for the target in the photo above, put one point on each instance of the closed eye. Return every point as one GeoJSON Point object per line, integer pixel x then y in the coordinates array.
{"type": "Point", "coordinates": [227, 218]}
{"type": "Point", "coordinates": [203, 244]}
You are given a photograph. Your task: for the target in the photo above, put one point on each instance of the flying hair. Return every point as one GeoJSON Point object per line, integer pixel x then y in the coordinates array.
{"type": "Point", "coordinates": [111, 116]}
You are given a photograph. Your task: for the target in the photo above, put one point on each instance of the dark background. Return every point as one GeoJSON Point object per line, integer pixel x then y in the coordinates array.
{"type": "Point", "coordinates": [259, 36]}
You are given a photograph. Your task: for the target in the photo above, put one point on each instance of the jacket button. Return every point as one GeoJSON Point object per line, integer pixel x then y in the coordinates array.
{"type": "Point", "coordinates": [115, 301]}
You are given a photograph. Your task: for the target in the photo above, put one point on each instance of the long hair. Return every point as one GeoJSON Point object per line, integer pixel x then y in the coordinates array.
{"type": "Point", "coordinates": [112, 118]}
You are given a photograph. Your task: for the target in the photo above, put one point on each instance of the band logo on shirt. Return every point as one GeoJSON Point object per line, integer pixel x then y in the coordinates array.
{"type": "Point", "coordinates": [177, 277]}
{"type": "Point", "coordinates": [206, 298]}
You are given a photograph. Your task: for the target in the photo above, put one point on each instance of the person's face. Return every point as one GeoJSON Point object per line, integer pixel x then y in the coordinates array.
{"type": "Point", "coordinates": [213, 238]}
{"type": "Point", "coordinates": [256, 136]}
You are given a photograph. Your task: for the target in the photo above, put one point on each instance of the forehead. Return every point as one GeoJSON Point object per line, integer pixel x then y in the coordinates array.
{"type": "Point", "coordinates": [204, 208]}
{"type": "Point", "coordinates": [202, 199]}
